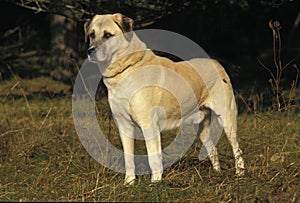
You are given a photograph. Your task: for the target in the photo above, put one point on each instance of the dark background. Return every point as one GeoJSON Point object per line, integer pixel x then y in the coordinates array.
{"type": "Point", "coordinates": [45, 38]}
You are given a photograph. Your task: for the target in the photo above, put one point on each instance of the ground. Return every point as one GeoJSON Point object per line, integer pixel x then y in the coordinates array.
{"type": "Point", "coordinates": [42, 158]}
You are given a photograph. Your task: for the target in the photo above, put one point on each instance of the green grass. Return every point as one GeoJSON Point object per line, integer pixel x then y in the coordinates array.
{"type": "Point", "coordinates": [42, 159]}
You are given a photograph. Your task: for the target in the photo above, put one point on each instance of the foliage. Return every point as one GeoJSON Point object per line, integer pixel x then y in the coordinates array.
{"type": "Point", "coordinates": [227, 30]}
{"type": "Point", "coordinates": [140, 10]}
{"type": "Point", "coordinates": [280, 100]}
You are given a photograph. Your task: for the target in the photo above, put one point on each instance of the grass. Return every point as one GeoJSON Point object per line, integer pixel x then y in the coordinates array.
{"type": "Point", "coordinates": [42, 159]}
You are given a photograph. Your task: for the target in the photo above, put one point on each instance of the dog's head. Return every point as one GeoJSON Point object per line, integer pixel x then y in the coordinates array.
{"type": "Point", "coordinates": [101, 32]}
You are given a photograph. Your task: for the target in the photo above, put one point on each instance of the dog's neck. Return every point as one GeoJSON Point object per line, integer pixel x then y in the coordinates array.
{"type": "Point", "coordinates": [126, 57]}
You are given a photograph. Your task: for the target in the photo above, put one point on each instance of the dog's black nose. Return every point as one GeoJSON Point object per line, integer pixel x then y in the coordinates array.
{"type": "Point", "coordinates": [91, 50]}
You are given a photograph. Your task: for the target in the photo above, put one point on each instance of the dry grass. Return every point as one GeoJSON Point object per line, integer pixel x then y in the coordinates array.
{"type": "Point", "coordinates": [42, 159]}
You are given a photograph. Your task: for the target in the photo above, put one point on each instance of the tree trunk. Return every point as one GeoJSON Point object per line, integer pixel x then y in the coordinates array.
{"type": "Point", "coordinates": [63, 50]}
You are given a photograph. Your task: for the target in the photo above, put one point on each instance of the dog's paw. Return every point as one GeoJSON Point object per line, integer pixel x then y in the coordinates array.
{"type": "Point", "coordinates": [240, 172]}
{"type": "Point", "coordinates": [156, 177]}
{"type": "Point", "coordinates": [129, 180]}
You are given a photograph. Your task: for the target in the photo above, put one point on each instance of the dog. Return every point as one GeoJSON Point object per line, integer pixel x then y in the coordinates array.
{"type": "Point", "coordinates": [152, 108]}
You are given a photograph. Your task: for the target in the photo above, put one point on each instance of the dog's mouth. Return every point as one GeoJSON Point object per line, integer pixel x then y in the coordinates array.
{"type": "Point", "coordinates": [92, 57]}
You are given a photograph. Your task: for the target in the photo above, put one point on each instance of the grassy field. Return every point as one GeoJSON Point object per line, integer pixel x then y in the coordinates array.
{"type": "Point", "coordinates": [42, 159]}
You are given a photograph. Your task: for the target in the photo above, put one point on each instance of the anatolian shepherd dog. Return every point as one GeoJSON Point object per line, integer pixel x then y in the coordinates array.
{"type": "Point", "coordinates": [152, 109]}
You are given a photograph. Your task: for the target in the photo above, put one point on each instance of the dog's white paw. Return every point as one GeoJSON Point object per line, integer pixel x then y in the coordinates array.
{"type": "Point", "coordinates": [129, 180]}
{"type": "Point", "coordinates": [156, 177]}
{"type": "Point", "coordinates": [240, 172]}
{"type": "Point", "coordinates": [240, 166]}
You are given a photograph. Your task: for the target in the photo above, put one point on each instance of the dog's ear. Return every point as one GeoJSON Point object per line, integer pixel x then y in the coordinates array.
{"type": "Point", "coordinates": [123, 22]}
{"type": "Point", "coordinates": [86, 29]}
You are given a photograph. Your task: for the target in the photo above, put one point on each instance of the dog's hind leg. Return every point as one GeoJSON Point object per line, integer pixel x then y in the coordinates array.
{"type": "Point", "coordinates": [228, 119]}
{"type": "Point", "coordinates": [230, 131]}
{"type": "Point", "coordinates": [210, 147]}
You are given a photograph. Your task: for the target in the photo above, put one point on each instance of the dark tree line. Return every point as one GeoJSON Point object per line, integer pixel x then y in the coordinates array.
{"type": "Point", "coordinates": [45, 37]}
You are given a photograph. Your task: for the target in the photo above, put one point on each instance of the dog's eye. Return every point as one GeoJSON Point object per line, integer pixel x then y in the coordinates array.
{"type": "Point", "coordinates": [107, 35]}
{"type": "Point", "coordinates": [92, 35]}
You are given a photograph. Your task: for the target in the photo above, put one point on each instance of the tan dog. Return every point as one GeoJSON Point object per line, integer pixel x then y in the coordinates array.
{"type": "Point", "coordinates": [151, 93]}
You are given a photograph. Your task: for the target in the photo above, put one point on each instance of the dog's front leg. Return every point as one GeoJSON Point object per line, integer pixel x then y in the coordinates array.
{"type": "Point", "coordinates": [153, 145]}
{"type": "Point", "coordinates": [127, 130]}
{"type": "Point", "coordinates": [128, 147]}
